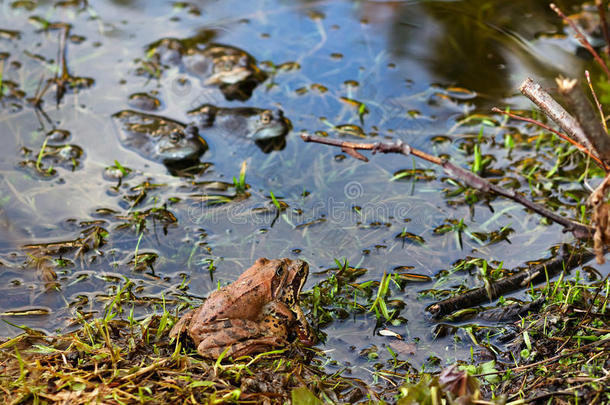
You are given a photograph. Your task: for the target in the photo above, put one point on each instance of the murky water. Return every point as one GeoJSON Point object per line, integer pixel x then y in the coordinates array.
{"type": "Point", "coordinates": [406, 61]}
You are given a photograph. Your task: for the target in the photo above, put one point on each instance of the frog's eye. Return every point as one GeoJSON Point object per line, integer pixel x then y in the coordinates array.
{"type": "Point", "coordinates": [228, 66]}
{"type": "Point", "coordinates": [175, 136]}
{"type": "Point", "coordinates": [266, 117]}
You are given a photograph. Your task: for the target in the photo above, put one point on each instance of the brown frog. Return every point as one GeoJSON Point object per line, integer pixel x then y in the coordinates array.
{"type": "Point", "coordinates": [252, 315]}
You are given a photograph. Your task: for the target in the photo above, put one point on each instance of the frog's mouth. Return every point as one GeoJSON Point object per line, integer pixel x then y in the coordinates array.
{"type": "Point", "coordinates": [279, 126]}
{"type": "Point", "coordinates": [188, 150]}
{"type": "Point", "coordinates": [233, 76]}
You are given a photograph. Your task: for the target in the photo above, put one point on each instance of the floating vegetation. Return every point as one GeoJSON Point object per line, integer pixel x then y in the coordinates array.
{"type": "Point", "coordinates": [415, 174]}
{"type": "Point", "coordinates": [408, 237]}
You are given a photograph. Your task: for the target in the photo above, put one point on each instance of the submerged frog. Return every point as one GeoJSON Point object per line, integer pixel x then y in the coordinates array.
{"type": "Point", "coordinates": [158, 138]}
{"type": "Point", "coordinates": [247, 122]}
{"type": "Point", "coordinates": [254, 314]}
{"type": "Point", "coordinates": [268, 128]}
{"type": "Point", "coordinates": [178, 145]}
{"type": "Point", "coordinates": [232, 70]}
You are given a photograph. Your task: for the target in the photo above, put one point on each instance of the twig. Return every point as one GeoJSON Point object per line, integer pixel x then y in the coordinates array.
{"type": "Point", "coordinates": [60, 81]}
{"type": "Point", "coordinates": [602, 19]}
{"type": "Point", "coordinates": [597, 103]}
{"type": "Point", "coordinates": [567, 353]}
{"type": "Point", "coordinates": [398, 147]}
{"type": "Point", "coordinates": [36, 102]}
{"type": "Point", "coordinates": [578, 230]}
{"type": "Point", "coordinates": [581, 38]}
{"type": "Point", "coordinates": [559, 134]}
{"type": "Point", "coordinates": [556, 112]}
{"type": "Point", "coordinates": [583, 110]}
{"type": "Point", "coordinates": [156, 364]}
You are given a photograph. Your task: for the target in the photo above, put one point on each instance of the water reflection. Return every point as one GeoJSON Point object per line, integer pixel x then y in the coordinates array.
{"type": "Point", "coordinates": [485, 46]}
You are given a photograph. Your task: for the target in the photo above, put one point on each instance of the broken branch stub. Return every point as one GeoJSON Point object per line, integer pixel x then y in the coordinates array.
{"type": "Point", "coordinates": [580, 105]}
{"type": "Point", "coordinates": [556, 112]}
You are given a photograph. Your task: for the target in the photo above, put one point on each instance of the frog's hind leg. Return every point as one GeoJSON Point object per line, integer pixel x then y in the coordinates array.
{"type": "Point", "coordinates": [243, 336]}
{"type": "Point", "coordinates": [245, 348]}
{"type": "Point", "coordinates": [254, 346]}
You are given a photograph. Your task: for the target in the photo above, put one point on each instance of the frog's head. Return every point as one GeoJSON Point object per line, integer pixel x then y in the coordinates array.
{"type": "Point", "coordinates": [158, 138]}
{"type": "Point", "coordinates": [280, 279]}
{"type": "Point", "coordinates": [296, 275]}
{"type": "Point", "coordinates": [267, 275]}
{"type": "Point", "coordinates": [268, 124]}
{"type": "Point", "coordinates": [230, 69]}
{"type": "Point", "coordinates": [180, 145]}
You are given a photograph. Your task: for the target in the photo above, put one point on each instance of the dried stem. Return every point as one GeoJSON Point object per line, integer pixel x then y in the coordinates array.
{"type": "Point", "coordinates": [581, 38]}
{"type": "Point", "coordinates": [61, 81]}
{"type": "Point", "coordinates": [597, 103]}
{"type": "Point", "coordinates": [578, 230]}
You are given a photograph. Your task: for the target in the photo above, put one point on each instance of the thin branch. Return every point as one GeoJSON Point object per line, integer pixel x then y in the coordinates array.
{"type": "Point", "coordinates": [581, 38]}
{"type": "Point", "coordinates": [559, 134]}
{"type": "Point", "coordinates": [597, 103]}
{"type": "Point", "coordinates": [578, 230]}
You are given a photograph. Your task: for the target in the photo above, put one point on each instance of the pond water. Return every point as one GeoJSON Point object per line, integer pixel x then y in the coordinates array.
{"type": "Point", "coordinates": [355, 70]}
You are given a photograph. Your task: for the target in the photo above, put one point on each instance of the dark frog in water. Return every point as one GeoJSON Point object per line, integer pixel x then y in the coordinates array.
{"type": "Point", "coordinates": [266, 127]}
{"type": "Point", "coordinates": [232, 70]}
{"type": "Point", "coordinates": [158, 138]}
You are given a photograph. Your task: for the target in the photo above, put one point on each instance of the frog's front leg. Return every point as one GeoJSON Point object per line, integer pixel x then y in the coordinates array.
{"type": "Point", "coordinates": [304, 332]}
{"type": "Point", "coordinates": [278, 313]}
{"type": "Point", "coordinates": [180, 326]}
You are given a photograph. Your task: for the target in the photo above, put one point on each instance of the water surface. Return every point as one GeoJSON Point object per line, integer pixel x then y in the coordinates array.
{"type": "Point", "coordinates": [419, 68]}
